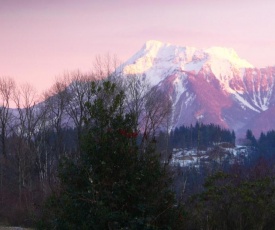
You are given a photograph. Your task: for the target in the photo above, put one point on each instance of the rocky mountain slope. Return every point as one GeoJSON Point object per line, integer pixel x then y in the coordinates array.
{"type": "Point", "coordinates": [208, 85]}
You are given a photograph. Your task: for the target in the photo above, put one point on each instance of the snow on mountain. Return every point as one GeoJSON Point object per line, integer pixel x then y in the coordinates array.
{"type": "Point", "coordinates": [156, 60]}
{"type": "Point", "coordinates": [211, 85]}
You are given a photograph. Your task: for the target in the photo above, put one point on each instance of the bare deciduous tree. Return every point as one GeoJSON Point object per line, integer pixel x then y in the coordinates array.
{"type": "Point", "coordinates": [158, 108]}
{"type": "Point", "coordinates": [105, 66]}
{"type": "Point", "coordinates": [56, 100]}
{"type": "Point", "coordinates": [26, 129]}
{"type": "Point", "coordinates": [78, 94]}
{"type": "Point", "coordinates": [151, 107]}
{"type": "Point", "coordinates": [136, 88]}
{"type": "Point", "coordinates": [25, 98]}
{"type": "Point", "coordinates": [7, 86]}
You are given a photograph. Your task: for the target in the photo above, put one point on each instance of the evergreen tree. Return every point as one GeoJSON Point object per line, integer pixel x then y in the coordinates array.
{"type": "Point", "coordinates": [113, 185]}
{"type": "Point", "coordinates": [251, 138]}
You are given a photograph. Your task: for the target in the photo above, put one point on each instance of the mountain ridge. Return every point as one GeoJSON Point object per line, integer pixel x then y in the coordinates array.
{"type": "Point", "coordinates": [212, 85]}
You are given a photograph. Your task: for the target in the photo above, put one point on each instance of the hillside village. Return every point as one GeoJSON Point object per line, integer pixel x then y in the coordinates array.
{"type": "Point", "coordinates": [219, 153]}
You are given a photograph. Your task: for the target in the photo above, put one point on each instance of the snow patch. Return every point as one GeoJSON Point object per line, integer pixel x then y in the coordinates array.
{"type": "Point", "coordinates": [245, 103]}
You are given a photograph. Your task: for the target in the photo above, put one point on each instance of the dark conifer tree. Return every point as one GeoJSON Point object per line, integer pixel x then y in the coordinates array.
{"type": "Point", "coordinates": [113, 185]}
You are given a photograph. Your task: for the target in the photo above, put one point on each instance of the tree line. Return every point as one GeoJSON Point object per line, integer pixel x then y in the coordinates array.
{"type": "Point", "coordinates": [200, 135]}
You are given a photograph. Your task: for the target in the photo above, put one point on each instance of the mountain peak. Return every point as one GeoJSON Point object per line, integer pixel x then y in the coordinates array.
{"type": "Point", "coordinates": [156, 56]}
{"type": "Point", "coordinates": [153, 43]}
{"type": "Point", "coordinates": [154, 48]}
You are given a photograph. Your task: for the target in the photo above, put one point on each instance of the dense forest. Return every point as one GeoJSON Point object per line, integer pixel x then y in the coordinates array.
{"type": "Point", "coordinates": [94, 154]}
{"type": "Point", "coordinates": [200, 136]}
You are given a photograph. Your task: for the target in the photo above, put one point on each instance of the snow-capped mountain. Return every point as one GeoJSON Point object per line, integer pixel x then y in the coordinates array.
{"type": "Point", "coordinates": [211, 85]}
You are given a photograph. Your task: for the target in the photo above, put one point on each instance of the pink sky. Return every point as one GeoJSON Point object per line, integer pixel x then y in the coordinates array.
{"type": "Point", "coordinates": [42, 39]}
